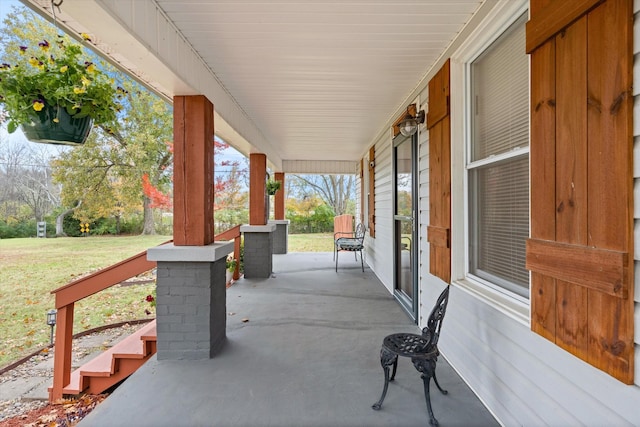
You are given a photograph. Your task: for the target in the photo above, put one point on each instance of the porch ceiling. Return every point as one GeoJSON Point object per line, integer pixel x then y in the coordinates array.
{"type": "Point", "coordinates": [314, 80]}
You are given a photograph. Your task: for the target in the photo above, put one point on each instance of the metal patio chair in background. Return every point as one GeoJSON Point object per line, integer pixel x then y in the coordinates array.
{"type": "Point", "coordinates": [352, 242]}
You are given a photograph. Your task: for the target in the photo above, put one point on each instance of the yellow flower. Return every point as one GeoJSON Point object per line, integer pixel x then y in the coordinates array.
{"type": "Point", "coordinates": [34, 61]}
{"type": "Point", "coordinates": [64, 68]}
{"type": "Point", "coordinates": [85, 81]}
{"type": "Point", "coordinates": [78, 90]}
{"type": "Point", "coordinates": [38, 105]}
{"type": "Point", "coordinates": [91, 68]}
{"type": "Point", "coordinates": [56, 120]}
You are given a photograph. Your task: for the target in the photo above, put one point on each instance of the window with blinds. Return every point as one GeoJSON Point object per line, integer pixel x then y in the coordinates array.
{"type": "Point", "coordinates": [498, 166]}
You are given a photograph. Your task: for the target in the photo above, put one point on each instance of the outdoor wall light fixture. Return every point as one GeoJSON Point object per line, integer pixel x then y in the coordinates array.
{"type": "Point", "coordinates": [51, 321]}
{"type": "Point", "coordinates": [409, 125]}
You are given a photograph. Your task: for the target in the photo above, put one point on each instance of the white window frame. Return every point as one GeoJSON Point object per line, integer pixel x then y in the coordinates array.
{"type": "Point", "coordinates": [498, 20]}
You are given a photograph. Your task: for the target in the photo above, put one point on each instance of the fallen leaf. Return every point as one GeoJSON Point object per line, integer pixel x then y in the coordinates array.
{"type": "Point", "coordinates": [245, 320]}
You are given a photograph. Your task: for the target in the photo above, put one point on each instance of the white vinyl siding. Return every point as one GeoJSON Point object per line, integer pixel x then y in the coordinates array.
{"type": "Point", "coordinates": [379, 250]}
{"type": "Point", "coordinates": [425, 299]}
{"type": "Point", "coordinates": [319, 167]}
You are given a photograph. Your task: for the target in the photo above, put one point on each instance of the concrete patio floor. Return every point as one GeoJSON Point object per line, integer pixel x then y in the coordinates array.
{"type": "Point", "coordinates": [308, 355]}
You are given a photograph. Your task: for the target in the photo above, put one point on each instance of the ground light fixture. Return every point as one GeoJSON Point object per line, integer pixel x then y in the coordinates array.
{"type": "Point", "coordinates": [51, 321]}
{"type": "Point", "coordinates": [409, 124]}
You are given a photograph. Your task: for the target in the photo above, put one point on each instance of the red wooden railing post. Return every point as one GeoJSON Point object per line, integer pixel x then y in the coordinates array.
{"type": "Point", "coordinates": [236, 256]}
{"type": "Point", "coordinates": [62, 352]}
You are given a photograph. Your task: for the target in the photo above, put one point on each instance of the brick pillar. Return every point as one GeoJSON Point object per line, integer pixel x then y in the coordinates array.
{"type": "Point", "coordinates": [258, 250]}
{"type": "Point", "coordinates": [257, 190]}
{"type": "Point", "coordinates": [280, 236]}
{"type": "Point", "coordinates": [191, 303]}
{"type": "Point", "coordinates": [193, 171]}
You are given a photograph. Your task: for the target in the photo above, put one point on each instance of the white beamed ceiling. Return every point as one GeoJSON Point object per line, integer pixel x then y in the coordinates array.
{"type": "Point", "coordinates": [300, 80]}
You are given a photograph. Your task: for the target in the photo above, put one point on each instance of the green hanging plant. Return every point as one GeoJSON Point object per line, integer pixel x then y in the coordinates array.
{"type": "Point", "coordinates": [273, 186]}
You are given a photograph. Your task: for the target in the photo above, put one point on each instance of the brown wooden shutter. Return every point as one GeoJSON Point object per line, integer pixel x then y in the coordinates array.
{"type": "Point", "coordinates": [372, 192]}
{"type": "Point", "coordinates": [581, 247]}
{"type": "Point", "coordinates": [438, 123]}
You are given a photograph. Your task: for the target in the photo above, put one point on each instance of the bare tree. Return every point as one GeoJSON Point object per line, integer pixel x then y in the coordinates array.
{"type": "Point", "coordinates": [337, 191]}
{"type": "Point", "coordinates": [27, 180]}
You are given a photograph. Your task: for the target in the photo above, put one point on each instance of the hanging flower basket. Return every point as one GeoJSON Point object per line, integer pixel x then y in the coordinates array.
{"type": "Point", "coordinates": [53, 125]}
{"type": "Point", "coordinates": [272, 186]}
{"type": "Point", "coordinates": [55, 94]}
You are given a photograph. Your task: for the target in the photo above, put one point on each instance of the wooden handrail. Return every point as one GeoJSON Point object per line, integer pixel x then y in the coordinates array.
{"type": "Point", "coordinates": [232, 234]}
{"type": "Point", "coordinates": [66, 297]}
{"type": "Point", "coordinates": [102, 279]}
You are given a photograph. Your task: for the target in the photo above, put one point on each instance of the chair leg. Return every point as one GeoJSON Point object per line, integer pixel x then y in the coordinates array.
{"type": "Point", "coordinates": [432, 418]}
{"type": "Point", "coordinates": [361, 261]}
{"type": "Point", "coordinates": [435, 380]}
{"type": "Point", "coordinates": [337, 253]}
{"type": "Point", "coordinates": [386, 359]}
{"type": "Point", "coordinates": [427, 367]}
{"type": "Point", "coordinates": [395, 368]}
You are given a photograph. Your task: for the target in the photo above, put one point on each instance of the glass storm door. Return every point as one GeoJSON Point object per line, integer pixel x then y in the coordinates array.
{"type": "Point", "coordinates": [405, 247]}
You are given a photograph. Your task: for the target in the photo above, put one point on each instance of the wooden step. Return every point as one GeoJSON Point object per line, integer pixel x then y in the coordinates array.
{"type": "Point", "coordinates": [114, 364]}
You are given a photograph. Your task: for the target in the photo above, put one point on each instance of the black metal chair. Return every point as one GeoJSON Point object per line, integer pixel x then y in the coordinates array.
{"type": "Point", "coordinates": [353, 243]}
{"type": "Point", "coordinates": [422, 349]}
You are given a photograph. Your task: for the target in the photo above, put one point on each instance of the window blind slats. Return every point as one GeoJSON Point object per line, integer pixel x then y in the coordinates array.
{"type": "Point", "coordinates": [499, 190]}
{"type": "Point", "coordinates": [500, 84]}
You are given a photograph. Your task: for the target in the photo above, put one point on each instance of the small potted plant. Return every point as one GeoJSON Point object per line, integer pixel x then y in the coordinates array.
{"type": "Point", "coordinates": [232, 263]}
{"type": "Point", "coordinates": [55, 94]}
{"type": "Point", "coordinates": [272, 186]}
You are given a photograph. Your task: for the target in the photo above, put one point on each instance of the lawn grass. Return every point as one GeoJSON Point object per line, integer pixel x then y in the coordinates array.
{"type": "Point", "coordinates": [31, 268]}
{"type": "Point", "coordinates": [317, 242]}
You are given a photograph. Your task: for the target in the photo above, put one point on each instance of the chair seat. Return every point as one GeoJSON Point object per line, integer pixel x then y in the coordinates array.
{"type": "Point", "coordinates": [347, 244]}
{"type": "Point", "coordinates": [409, 345]}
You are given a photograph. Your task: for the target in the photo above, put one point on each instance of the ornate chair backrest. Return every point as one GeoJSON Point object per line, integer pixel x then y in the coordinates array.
{"type": "Point", "coordinates": [360, 230]}
{"type": "Point", "coordinates": [434, 323]}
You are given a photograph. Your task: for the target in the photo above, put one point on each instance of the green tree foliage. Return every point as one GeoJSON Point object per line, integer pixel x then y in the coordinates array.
{"type": "Point", "coordinates": [107, 172]}
{"type": "Point", "coordinates": [309, 215]}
